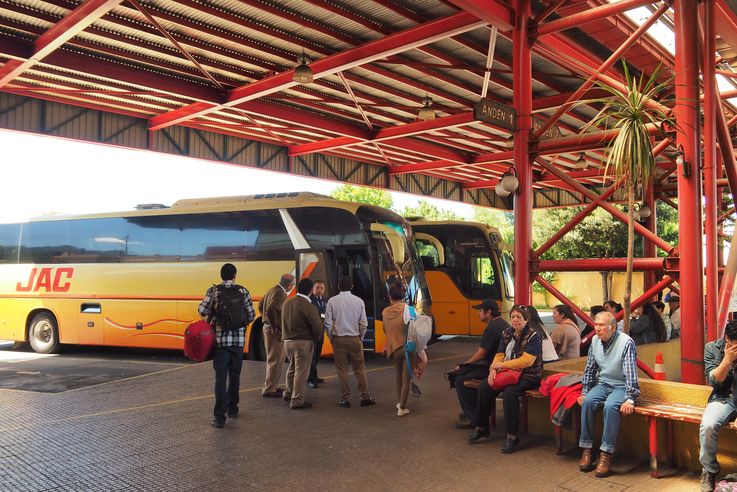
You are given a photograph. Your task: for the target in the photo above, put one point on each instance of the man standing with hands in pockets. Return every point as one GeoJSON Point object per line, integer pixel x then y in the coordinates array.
{"type": "Point", "coordinates": [346, 323]}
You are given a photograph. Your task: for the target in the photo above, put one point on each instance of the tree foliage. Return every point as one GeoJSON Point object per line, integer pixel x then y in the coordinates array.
{"type": "Point", "coordinates": [429, 211]}
{"type": "Point", "coordinates": [599, 235]}
{"type": "Point", "coordinates": [361, 194]}
{"type": "Point", "coordinates": [503, 221]}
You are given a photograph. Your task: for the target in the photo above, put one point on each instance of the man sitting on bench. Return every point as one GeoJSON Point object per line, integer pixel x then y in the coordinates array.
{"type": "Point", "coordinates": [720, 358]}
{"type": "Point", "coordinates": [609, 381]}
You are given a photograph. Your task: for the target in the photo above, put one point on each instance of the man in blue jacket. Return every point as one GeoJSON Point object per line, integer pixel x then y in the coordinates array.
{"type": "Point", "coordinates": [720, 358]}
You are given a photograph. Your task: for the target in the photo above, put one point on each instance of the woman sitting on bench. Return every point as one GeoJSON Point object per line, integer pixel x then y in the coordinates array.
{"type": "Point", "coordinates": [520, 349]}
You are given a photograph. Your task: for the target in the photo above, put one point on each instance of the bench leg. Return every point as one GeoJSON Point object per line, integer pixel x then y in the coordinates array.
{"type": "Point", "coordinates": [523, 414]}
{"type": "Point", "coordinates": [671, 445]}
{"type": "Point", "coordinates": [558, 439]}
{"type": "Point", "coordinates": [653, 435]}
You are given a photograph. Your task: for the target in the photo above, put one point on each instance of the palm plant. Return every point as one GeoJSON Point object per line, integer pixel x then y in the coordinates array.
{"type": "Point", "coordinates": [630, 154]}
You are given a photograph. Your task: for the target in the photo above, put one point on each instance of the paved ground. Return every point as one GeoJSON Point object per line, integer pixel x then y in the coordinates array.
{"type": "Point", "coordinates": [151, 432]}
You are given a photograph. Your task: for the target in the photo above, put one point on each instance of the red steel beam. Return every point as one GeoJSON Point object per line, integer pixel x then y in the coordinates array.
{"type": "Point", "coordinates": [725, 290]}
{"type": "Point", "coordinates": [603, 68]}
{"type": "Point", "coordinates": [596, 13]}
{"type": "Point", "coordinates": [712, 200]}
{"type": "Point", "coordinates": [602, 264]}
{"type": "Point", "coordinates": [494, 12]}
{"type": "Point", "coordinates": [523, 197]}
{"type": "Point", "coordinates": [564, 300]}
{"type": "Point", "coordinates": [68, 27]}
{"type": "Point", "coordinates": [413, 37]}
{"type": "Point", "coordinates": [689, 191]}
{"type": "Point", "coordinates": [639, 228]}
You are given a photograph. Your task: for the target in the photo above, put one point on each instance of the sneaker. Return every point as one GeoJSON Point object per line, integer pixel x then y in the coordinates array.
{"type": "Point", "coordinates": [312, 384]}
{"type": "Point", "coordinates": [232, 414]}
{"type": "Point", "coordinates": [707, 481]}
{"type": "Point", "coordinates": [271, 394]}
{"type": "Point", "coordinates": [344, 404]}
{"type": "Point", "coordinates": [368, 401]}
{"type": "Point", "coordinates": [287, 396]}
{"type": "Point", "coordinates": [217, 423]}
{"type": "Point", "coordinates": [510, 446]}
{"type": "Point", "coordinates": [402, 412]}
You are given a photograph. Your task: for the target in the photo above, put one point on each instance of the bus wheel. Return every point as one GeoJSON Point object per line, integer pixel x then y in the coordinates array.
{"type": "Point", "coordinates": [43, 334]}
{"type": "Point", "coordinates": [257, 348]}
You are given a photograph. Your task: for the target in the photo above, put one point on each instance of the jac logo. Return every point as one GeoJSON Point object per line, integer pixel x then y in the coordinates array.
{"type": "Point", "coordinates": [48, 279]}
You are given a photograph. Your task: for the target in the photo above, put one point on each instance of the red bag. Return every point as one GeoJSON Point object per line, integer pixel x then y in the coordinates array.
{"type": "Point", "coordinates": [506, 377]}
{"type": "Point", "coordinates": [199, 338]}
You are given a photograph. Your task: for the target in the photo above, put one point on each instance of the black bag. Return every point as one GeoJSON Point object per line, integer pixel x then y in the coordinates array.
{"type": "Point", "coordinates": [231, 308]}
{"type": "Point", "coordinates": [464, 371]}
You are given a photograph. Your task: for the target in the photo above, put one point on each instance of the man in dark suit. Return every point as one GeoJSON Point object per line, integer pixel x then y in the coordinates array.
{"type": "Point", "coordinates": [301, 325]}
{"type": "Point", "coordinates": [320, 302]}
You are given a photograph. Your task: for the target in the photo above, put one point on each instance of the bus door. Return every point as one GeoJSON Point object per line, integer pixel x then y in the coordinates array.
{"type": "Point", "coordinates": [316, 265]}
{"type": "Point", "coordinates": [484, 285]}
{"type": "Point", "coordinates": [449, 304]}
{"type": "Point", "coordinates": [90, 322]}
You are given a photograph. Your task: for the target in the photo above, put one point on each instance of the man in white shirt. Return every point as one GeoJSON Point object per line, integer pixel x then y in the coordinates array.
{"type": "Point", "coordinates": [345, 322]}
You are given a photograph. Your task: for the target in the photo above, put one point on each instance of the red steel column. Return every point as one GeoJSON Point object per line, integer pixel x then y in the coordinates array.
{"type": "Point", "coordinates": [522, 74]}
{"type": "Point", "coordinates": [711, 197]}
{"type": "Point", "coordinates": [689, 192]}
{"type": "Point", "coordinates": [649, 250]}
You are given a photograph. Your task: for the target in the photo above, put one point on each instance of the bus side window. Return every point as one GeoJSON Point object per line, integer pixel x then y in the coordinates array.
{"type": "Point", "coordinates": [484, 282]}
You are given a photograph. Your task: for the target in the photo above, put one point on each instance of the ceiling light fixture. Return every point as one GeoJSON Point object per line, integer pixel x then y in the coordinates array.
{"type": "Point", "coordinates": [581, 162]}
{"type": "Point", "coordinates": [507, 184]}
{"type": "Point", "coordinates": [426, 112]}
{"type": "Point", "coordinates": [303, 73]}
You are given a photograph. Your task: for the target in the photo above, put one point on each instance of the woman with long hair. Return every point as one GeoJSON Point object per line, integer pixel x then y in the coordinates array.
{"type": "Point", "coordinates": [566, 335]}
{"type": "Point", "coordinates": [395, 319]}
{"type": "Point", "coordinates": [649, 326]}
{"type": "Point", "coordinates": [519, 350]}
{"type": "Point", "coordinates": [536, 323]}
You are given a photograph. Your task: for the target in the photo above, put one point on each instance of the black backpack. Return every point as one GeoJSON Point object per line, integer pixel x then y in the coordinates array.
{"type": "Point", "coordinates": [231, 307]}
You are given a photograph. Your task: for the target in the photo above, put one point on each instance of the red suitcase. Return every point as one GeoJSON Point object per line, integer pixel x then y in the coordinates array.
{"type": "Point", "coordinates": [199, 338]}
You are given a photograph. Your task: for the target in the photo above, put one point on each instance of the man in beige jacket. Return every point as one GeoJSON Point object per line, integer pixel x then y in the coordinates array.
{"type": "Point", "coordinates": [271, 307]}
{"type": "Point", "coordinates": [301, 326]}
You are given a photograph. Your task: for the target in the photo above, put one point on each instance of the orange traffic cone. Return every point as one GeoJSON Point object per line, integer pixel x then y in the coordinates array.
{"type": "Point", "coordinates": [659, 367]}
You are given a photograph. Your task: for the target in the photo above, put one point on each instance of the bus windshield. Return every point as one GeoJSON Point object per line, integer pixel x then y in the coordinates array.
{"type": "Point", "coordinates": [397, 259]}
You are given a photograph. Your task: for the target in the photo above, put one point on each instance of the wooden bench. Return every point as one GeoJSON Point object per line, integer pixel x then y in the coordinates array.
{"type": "Point", "coordinates": [653, 411]}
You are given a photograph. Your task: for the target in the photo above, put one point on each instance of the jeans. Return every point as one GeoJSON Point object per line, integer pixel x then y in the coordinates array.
{"type": "Point", "coordinates": [227, 362]}
{"type": "Point", "coordinates": [716, 415]}
{"type": "Point", "coordinates": [511, 394]}
{"type": "Point", "coordinates": [611, 398]}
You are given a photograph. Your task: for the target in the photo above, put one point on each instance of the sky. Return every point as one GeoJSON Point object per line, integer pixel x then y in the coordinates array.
{"type": "Point", "coordinates": [45, 175]}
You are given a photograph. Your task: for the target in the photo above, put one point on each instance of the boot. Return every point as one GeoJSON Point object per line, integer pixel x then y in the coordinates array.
{"type": "Point", "coordinates": [707, 481]}
{"type": "Point", "coordinates": [602, 468]}
{"type": "Point", "coordinates": [585, 464]}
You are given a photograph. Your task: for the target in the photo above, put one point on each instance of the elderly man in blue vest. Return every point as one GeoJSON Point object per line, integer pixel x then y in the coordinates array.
{"type": "Point", "coordinates": [609, 381]}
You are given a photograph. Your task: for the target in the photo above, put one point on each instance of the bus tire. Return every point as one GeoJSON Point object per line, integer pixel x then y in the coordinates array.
{"type": "Point", "coordinates": [43, 334]}
{"type": "Point", "coordinates": [256, 347]}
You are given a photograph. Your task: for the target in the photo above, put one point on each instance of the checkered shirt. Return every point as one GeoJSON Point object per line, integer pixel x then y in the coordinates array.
{"type": "Point", "coordinates": [232, 338]}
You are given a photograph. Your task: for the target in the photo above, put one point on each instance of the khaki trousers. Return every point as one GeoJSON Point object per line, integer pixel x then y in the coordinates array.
{"type": "Point", "coordinates": [349, 350]}
{"type": "Point", "coordinates": [401, 371]}
{"type": "Point", "coordinates": [299, 353]}
{"type": "Point", "coordinates": [274, 360]}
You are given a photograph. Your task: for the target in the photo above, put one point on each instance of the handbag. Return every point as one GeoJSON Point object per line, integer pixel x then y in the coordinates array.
{"type": "Point", "coordinates": [506, 377]}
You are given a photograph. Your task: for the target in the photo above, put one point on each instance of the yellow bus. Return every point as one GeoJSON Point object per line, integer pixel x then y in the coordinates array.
{"type": "Point", "coordinates": [135, 279]}
{"type": "Point", "coordinates": [464, 262]}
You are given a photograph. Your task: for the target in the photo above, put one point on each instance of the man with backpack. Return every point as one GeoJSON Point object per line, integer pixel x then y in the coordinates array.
{"type": "Point", "coordinates": [228, 307]}
{"type": "Point", "coordinates": [270, 307]}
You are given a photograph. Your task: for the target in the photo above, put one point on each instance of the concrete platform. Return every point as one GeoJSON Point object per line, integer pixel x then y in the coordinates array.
{"type": "Point", "coordinates": [151, 432]}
